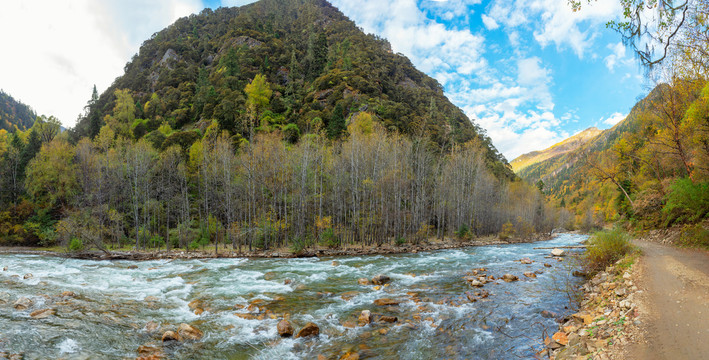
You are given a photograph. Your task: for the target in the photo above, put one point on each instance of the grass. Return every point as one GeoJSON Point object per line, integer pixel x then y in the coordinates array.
{"type": "Point", "coordinates": [606, 247]}
{"type": "Point", "coordinates": [695, 236]}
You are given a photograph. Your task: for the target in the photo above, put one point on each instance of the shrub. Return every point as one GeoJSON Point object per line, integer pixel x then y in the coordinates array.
{"type": "Point", "coordinates": [686, 201]}
{"type": "Point", "coordinates": [76, 245]}
{"type": "Point", "coordinates": [329, 239]}
{"type": "Point", "coordinates": [606, 247]}
{"type": "Point", "coordinates": [694, 236]}
{"type": "Point", "coordinates": [462, 231]}
{"type": "Point", "coordinates": [400, 241]}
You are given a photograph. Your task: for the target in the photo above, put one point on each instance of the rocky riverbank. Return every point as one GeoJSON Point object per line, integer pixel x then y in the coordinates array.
{"type": "Point", "coordinates": [607, 320]}
{"type": "Point", "coordinates": [318, 251]}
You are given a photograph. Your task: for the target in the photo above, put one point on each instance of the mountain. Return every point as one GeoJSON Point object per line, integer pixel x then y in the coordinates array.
{"type": "Point", "coordinates": [14, 113]}
{"type": "Point", "coordinates": [562, 167]}
{"type": "Point", "coordinates": [321, 67]}
{"type": "Point", "coordinates": [556, 150]}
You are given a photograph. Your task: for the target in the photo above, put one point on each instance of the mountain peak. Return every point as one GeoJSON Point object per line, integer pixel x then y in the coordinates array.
{"type": "Point", "coordinates": [558, 149]}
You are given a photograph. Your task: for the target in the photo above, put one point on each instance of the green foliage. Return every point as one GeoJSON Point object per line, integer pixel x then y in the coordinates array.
{"type": "Point", "coordinates": [298, 245]}
{"type": "Point", "coordinates": [686, 201]}
{"type": "Point", "coordinates": [329, 239]}
{"type": "Point", "coordinates": [694, 236]}
{"type": "Point", "coordinates": [14, 113]}
{"type": "Point", "coordinates": [76, 244]}
{"type": "Point", "coordinates": [463, 232]}
{"type": "Point", "coordinates": [156, 242]}
{"type": "Point", "coordinates": [400, 241]}
{"type": "Point", "coordinates": [606, 247]}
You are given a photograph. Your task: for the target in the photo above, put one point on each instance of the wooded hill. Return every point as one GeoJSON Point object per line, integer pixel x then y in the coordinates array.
{"type": "Point", "coordinates": [650, 169]}
{"type": "Point", "coordinates": [14, 114]}
{"type": "Point", "coordinates": [322, 69]}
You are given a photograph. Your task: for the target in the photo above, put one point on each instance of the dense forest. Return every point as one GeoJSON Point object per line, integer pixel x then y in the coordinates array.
{"type": "Point", "coordinates": [14, 114]}
{"type": "Point", "coordinates": [278, 124]}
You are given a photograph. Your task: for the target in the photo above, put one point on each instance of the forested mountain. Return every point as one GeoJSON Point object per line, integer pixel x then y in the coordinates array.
{"type": "Point", "coordinates": [631, 170]}
{"type": "Point", "coordinates": [278, 124]}
{"type": "Point", "coordinates": [322, 69]}
{"type": "Point", "coordinates": [555, 151]}
{"type": "Point", "coordinates": [14, 113]}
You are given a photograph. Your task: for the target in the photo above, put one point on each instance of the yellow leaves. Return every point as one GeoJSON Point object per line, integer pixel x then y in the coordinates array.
{"type": "Point", "coordinates": [323, 222]}
{"type": "Point", "coordinates": [258, 92]}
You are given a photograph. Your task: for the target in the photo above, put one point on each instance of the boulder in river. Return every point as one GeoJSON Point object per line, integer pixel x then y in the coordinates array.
{"type": "Point", "coordinates": [388, 319]}
{"type": "Point", "coordinates": [150, 299]}
{"type": "Point", "coordinates": [41, 314]}
{"type": "Point", "coordinates": [476, 283]}
{"type": "Point", "coordinates": [347, 296]}
{"type": "Point", "coordinates": [67, 294]}
{"type": "Point", "coordinates": [363, 281]}
{"type": "Point", "coordinates": [365, 317]}
{"type": "Point", "coordinates": [309, 329]}
{"type": "Point", "coordinates": [285, 329]}
{"type": "Point", "coordinates": [547, 265]}
{"type": "Point", "coordinates": [526, 261]}
{"type": "Point", "coordinates": [170, 336]}
{"type": "Point", "coordinates": [22, 303]}
{"type": "Point", "coordinates": [189, 332]}
{"type": "Point", "coordinates": [557, 252]}
{"type": "Point", "coordinates": [530, 274]}
{"type": "Point", "coordinates": [509, 278]}
{"type": "Point", "coordinates": [28, 276]}
{"type": "Point", "coordinates": [380, 279]}
{"type": "Point", "coordinates": [386, 302]}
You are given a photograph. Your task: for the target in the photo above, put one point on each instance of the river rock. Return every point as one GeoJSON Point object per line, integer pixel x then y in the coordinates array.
{"type": "Point", "coordinates": [171, 336]}
{"type": "Point", "coordinates": [560, 338]}
{"type": "Point", "coordinates": [380, 280]}
{"type": "Point", "coordinates": [557, 252]}
{"type": "Point", "coordinates": [547, 265]}
{"type": "Point", "coordinates": [365, 317]}
{"type": "Point", "coordinates": [28, 276]}
{"type": "Point", "coordinates": [509, 278]}
{"type": "Point", "coordinates": [151, 326]}
{"type": "Point", "coordinates": [132, 267]}
{"type": "Point", "coordinates": [388, 319]}
{"type": "Point", "coordinates": [285, 329]}
{"type": "Point", "coordinates": [350, 356]}
{"type": "Point", "coordinates": [269, 275]}
{"type": "Point", "coordinates": [308, 330]}
{"type": "Point", "coordinates": [476, 283]}
{"type": "Point", "coordinates": [347, 296]}
{"type": "Point", "coordinates": [67, 294]}
{"type": "Point", "coordinates": [363, 281]}
{"type": "Point", "coordinates": [41, 314]}
{"type": "Point", "coordinates": [386, 302]}
{"type": "Point", "coordinates": [189, 332]}
{"type": "Point", "coordinates": [4, 269]}
{"type": "Point", "coordinates": [287, 281]}
{"type": "Point", "coordinates": [548, 314]}
{"type": "Point", "coordinates": [620, 292]}
{"type": "Point", "coordinates": [22, 303]}
{"type": "Point", "coordinates": [150, 299]}
{"type": "Point", "coordinates": [526, 261]}
{"type": "Point", "coordinates": [530, 274]}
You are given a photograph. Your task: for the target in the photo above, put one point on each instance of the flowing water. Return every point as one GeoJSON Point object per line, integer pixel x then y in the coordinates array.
{"type": "Point", "coordinates": [114, 301]}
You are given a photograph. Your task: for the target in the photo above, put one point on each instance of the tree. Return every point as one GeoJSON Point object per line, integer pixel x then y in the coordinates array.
{"type": "Point", "coordinates": [47, 128]}
{"type": "Point", "coordinates": [51, 176]}
{"type": "Point", "coordinates": [123, 113]}
{"type": "Point", "coordinates": [658, 30]}
{"type": "Point", "coordinates": [258, 95]}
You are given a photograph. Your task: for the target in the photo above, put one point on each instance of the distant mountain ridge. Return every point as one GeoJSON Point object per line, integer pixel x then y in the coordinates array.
{"type": "Point", "coordinates": [15, 113]}
{"type": "Point", "coordinates": [570, 144]}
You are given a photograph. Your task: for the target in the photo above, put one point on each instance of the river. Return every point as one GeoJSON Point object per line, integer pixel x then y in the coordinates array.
{"type": "Point", "coordinates": [113, 301]}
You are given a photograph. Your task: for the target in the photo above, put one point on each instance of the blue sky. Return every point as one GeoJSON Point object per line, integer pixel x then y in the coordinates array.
{"type": "Point", "coordinates": [530, 72]}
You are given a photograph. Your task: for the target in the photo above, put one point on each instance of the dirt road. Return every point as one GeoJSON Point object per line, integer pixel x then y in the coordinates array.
{"type": "Point", "coordinates": [675, 304]}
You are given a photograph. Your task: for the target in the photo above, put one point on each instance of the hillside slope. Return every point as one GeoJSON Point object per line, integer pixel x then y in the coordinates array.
{"type": "Point", "coordinates": [14, 113]}
{"type": "Point", "coordinates": [321, 67]}
{"type": "Point", "coordinates": [555, 150]}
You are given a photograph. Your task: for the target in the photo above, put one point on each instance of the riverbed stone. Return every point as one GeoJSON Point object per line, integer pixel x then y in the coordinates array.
{"type": "Point", "coordinates": [388, 319]}
{"type": "Point", "coordinates": [380, 279]}
{"type": "Point", "coordinates": [310, 329]}
{"type": "Point", "coordinates": [28, 276]}
{"type": "Point", "coordinates": [150, 299]}
{"type": "Point", "coordinates": [43, 313]}
{"type": "Point", "coordinates": [363, 281]}
{"type": "Point", "coordinates": [557, 252]}
{"type": "Point", "coordinates": [347, 296]}
{"type": "Point", "coordinates": [171, 336]}
{"type": "Point", "coordinates": [526, 261]}
{"type": "Point", "coordinates": [285, 329]}
{"type": "Point", "coordinates": [365, 317]}
{"type": "Point", "coordinates": [22, 303]}
{"type": "Point", "coordinates": [509, 278]}
{"type": "Point", "coordinates": [386, 302]}
{"type": "Point", "coordinates": [547, 265]}
{"type": "Point", "coordinates": [476, 283]}
{"type": "Point", "coordinates": [189, 332]}
{"type": "Point", "coordinates": [530, 274]}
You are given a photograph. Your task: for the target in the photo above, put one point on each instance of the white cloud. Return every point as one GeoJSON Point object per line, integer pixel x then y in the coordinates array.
{"type": "Point", "coordinates": [617, 56]}
{"type": "Point", "coordinates": [56, 50]}
{"type": "Point", "coordinates": [614, 119]}
{"type": "Point", "coordinates": [489, 22]}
